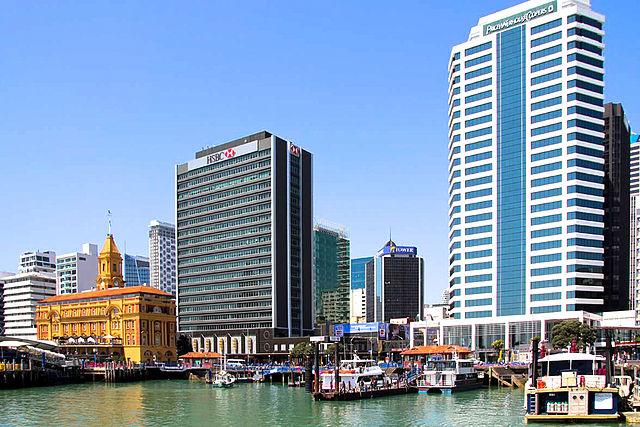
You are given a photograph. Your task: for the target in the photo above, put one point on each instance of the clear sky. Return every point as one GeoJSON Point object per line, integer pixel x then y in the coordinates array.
{"type": "Point", "coordinates": [99, 101]}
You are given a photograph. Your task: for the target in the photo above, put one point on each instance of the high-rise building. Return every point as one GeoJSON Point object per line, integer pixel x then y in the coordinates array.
{"type": "Point", "coordinates": [136, 270]}
{"type": "Point", "coordinates": [244, 237]}
{"type": "Point", "coordinates": [76, 271]}
{"type": "Point", "coordinates": [35, 281]}
{"type": "Point", "coordinates": [394, 284]}
{"type": "Point", "coordinates": [162, 256]}
{"type": "Point", "coordinates": [617, 222]}
{"type": "Point", "coordinates": [445, 297]}
{"type": "Point", "coordinates": [634, 212]}
{"type": "Point", "coordinates": [2, 275]}
{"type": "Point", "coordinates": [526, 162]}
{"type": "Point", "coordinates": [331, 255]}
{"type": "Point", "coordinates": [634, 163]}
{"type": "Point", "coordinates": [358, 306]}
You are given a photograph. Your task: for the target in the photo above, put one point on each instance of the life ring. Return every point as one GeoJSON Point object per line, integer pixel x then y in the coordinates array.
{"type": "Point", "coordinates": [541, 384]}
{"type": "Point", "coordinates": [583, 381]}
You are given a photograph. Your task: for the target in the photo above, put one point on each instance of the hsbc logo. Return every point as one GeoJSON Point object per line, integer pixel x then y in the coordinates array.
{"type": "Point", "coordinates": [294, 149]}
{"type": "Point", "coordinates": [221, 155]}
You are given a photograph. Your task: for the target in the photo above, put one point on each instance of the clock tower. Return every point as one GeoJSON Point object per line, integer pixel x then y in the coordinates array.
{"type": "Point", "coordinates": [109, 266]}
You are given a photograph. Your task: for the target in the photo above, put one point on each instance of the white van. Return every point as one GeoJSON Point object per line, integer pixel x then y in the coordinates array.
{"type": "Point", "coordinates": [236, 363]}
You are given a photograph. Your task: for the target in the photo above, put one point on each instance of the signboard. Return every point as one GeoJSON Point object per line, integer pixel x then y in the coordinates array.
{"type": "Point", "coordinates": [603, 401]}
{"type": "Point", "coordinates": [383, 332]}
{"type": "Point", "coordinates": [334, 339]}
{"type": "Point", "coordinates": [295, 150]}
{"type": "Point", "coordinates": [400, 250]}
{"type": "Point", "coordinates": [338, 330]}
{"type": "Point", "coordinates": [520, 18]}
{"type": "Point", "coordinates": [317, 339]}
{"type": "Point", "coordinates": [222, 155]}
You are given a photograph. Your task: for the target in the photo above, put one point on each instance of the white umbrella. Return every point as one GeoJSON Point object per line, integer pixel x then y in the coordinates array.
{"type": "Point", "coordinates": [80, 340]}
{"type": "Point", "coordinates": [71, 340]}
{"type": "Point", "coordinates": [91, 339]}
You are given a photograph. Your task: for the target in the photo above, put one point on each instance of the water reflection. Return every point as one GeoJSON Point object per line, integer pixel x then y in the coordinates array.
{"type": "Point", "coordinates": [185, 403]}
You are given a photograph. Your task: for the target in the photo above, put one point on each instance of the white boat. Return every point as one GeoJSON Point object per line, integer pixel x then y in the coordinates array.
{"type": "Point", "coordinates": [448, 375]}
{"type": "Point", "coordinates": [571, 387]}
{"type": "Point", "coordinates": [223, 379]}
{"type": "Point", "coordinates": [353, 374]}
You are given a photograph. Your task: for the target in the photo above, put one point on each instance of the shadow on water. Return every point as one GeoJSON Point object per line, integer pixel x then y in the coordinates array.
{"type": "Point", "coordinates": [188, 403]}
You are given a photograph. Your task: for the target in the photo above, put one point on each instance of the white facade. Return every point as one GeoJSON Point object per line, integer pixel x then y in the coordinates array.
{"type": "Point", "coordinates": [77, 271]}
{"type": "Point", "coordinates": [162, 256]}
{"type": "Point", "coordinates": [37, 261]}
{"type": "Point", "coordinates": [526, 162]}
{"type": "Point", "coordinates": [22, 292]}
{"type": "Point", "coordinates": [634, 192]}
{"type": "Point", "coordinates": [358, 306]}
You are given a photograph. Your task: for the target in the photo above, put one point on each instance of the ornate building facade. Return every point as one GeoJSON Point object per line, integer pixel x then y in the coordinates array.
{"type": "Point", "coordinates": [127, 323]}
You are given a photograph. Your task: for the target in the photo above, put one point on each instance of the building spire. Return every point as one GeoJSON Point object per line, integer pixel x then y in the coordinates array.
{"type": "Point", "coordinates": [109, 220]}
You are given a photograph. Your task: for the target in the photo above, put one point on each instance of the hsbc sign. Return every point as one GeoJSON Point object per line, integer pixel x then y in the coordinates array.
{"type": "Point", "coordinates": [220, 155]}
{"type": "Point", "coordinates": [295, 150]}
{"type": "Point", "coordinates": [223, 155]}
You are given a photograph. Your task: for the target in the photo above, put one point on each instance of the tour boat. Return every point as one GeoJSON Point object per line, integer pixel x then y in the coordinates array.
{"type": "Point", "coordinates": [448, 375]}
{"type": "Point", "coordinates": [354, 374]}
{"type": "Point", "coordinates": [223, 379]}
{"type": "Point", "coordinates": [572, 387]}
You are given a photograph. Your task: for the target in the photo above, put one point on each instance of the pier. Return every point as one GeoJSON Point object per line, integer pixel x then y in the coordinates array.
{"type": "Point", "coordinates": [505, 375]}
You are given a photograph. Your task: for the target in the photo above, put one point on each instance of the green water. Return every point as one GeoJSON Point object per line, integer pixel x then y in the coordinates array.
{"type": "Point", "coordinates": [189, 403]}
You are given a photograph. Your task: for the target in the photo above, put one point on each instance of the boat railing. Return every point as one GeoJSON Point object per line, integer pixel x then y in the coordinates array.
{"type": "Point", "coordinates": [579, 381]}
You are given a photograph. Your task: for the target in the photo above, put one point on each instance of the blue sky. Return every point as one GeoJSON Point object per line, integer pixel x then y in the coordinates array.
{"type": "Point", "coordinates": [101, 99]}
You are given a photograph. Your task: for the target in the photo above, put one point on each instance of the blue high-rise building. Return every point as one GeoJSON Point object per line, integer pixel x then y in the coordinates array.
{"type": "Point", "coordinates": [136, 270]}
{"type": "Point", "coordinates": [358, 271]}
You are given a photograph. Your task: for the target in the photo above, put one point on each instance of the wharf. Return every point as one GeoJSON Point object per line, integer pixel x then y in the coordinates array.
{"type": "Point", "coordinates": [563, 418]}
{"type": "Point", "coordinates": [365, 394]}
{"type": "Point", "coordinates": [505, 376]}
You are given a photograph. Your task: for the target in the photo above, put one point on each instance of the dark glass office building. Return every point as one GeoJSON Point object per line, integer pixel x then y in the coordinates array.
{"type": "Point", "coordinates": [394, 282]}
{"type": "Point", "coordinates": [244, 239]}
{"type": "Point", "coordinates": [616, 208]}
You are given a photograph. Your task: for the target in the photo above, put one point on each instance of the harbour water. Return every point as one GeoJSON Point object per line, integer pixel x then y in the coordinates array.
{"type": "Point", "coordinates": [191, 403]}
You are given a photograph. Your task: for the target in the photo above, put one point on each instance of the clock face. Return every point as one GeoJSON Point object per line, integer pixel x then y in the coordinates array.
{"type": "Point", "coordinates": [115, 282]}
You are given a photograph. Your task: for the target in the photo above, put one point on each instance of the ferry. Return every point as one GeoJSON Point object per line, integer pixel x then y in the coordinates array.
{"type": "Point", "coordinates": [447, 376]}
{"type": "Point", "coordinates": [354, 374]}
{"type": "Point", "coordinates": [445, 368]}
{"type": "Point", "coordinates": [572, 387]}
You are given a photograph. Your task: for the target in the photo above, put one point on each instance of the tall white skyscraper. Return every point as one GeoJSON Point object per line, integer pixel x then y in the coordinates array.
{"type": "Point", "coordinates": [35, 282]}
{"type": "Point", "coordinates": [77, 271]}
{"type": "Point", "coordinates": [526, 162]}
{"type": "Point", "coordinates": [162, 256]}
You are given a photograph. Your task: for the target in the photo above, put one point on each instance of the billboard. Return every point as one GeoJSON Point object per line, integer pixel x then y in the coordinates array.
{"type": "Point", "coordinates": [382, 330]}
{"type": "Point", "coordinates": [400, 250]}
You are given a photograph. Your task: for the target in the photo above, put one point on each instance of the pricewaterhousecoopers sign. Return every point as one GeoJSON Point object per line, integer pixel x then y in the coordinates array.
{"type": "Point", "coordinates": [521, 18]}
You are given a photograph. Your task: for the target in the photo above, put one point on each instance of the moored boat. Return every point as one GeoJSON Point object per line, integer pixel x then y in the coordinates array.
{"type": "Point", "coordinates": [444, 368]}
{"type": "Point", "coordinates": [223, 379]}
{"type": "Point", "coordinates": [572, 387]}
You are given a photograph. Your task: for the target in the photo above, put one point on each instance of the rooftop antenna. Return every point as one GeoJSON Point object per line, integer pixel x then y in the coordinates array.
{"type": "Point", "coordinates": [109, 220]}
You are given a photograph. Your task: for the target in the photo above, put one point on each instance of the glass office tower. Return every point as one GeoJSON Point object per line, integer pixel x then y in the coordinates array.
{"type": "Point", "coordinates": [526, 162]}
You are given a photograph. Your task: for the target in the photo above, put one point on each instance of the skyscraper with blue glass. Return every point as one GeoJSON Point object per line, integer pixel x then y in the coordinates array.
{"type": "Point", "coordinates": [526, 162]}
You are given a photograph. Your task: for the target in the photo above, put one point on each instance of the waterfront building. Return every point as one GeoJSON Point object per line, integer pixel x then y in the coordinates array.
{"type": "Point", "coordinates": [516, 331]}
{"type": "Point", "coordinates": [619, 294]}
{"type": "Point", "coordinates": [634, 164]}
{"type": "Point", "coordinates": [526, 163]}
{"type": "Point", "coordinates": [331, 280]}
{"type": "Point", "coordinates": [124, 323]}
{"type": "Point", "coordinates": [76, 271]}
{"type": "Point", "coordinates": [35, 281]}
{"type": "Point", "coordinates": [136, 270]}
{"type": "Point", "coordinates": [162, 256]}
{"type": "Point", "coordinates": [394, 284]}
{"type": "Point", "coordinates": [357, 297]}
{"type": "Point", "coordinates": [2, 275]}
{"type": "Point", "coordinates": [244, 235]}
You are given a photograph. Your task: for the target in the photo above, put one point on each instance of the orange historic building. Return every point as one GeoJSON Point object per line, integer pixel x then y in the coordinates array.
{"type": "Point", "coordinates": [136, 323]}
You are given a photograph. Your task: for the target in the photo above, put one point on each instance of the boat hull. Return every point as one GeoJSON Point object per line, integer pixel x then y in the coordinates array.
{"type": "Point", "coordinates": [458, 387]}
{"type": "Point", "coordinates": [369, 394]}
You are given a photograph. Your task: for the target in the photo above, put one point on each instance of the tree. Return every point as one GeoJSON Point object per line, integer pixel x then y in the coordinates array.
{"type": "Point", "coordinates": [302, 349]}
{"type": "Point", "coordinates": [497, 345]}
{"type": "Point", "coordinates": [332, 348]}
{"type": "Point", "coordinates": [565, 332]}
{"type": "Point", "coordinates": [183, 345]}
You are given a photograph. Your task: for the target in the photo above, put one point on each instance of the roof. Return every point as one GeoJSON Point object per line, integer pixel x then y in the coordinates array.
{"type": "Point", "coordinates": [106, 293]}
{"type": "Point", "coordinates": [570, 356]}
{"type": "Point", "coordinates": [201, 355]}
{"type": "Point", "coordinates": [436, 349]}
{"type": "Point", "coordinates": [109, 246]}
